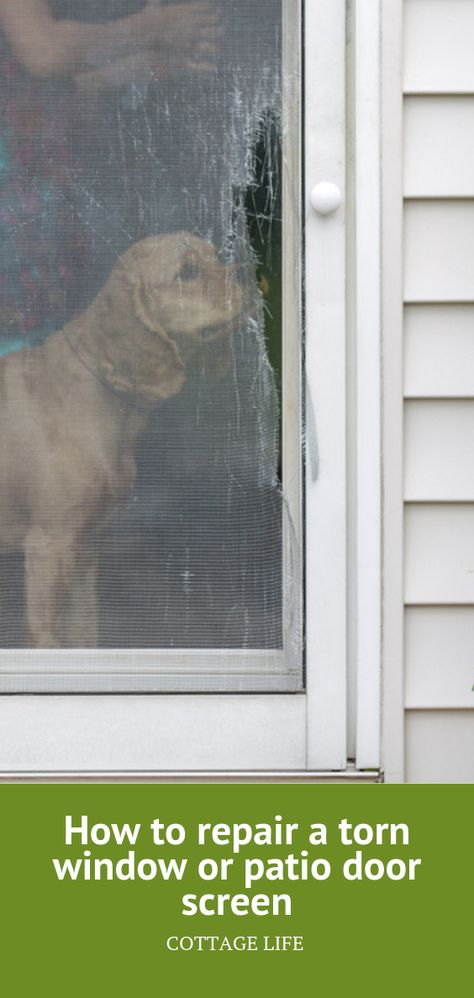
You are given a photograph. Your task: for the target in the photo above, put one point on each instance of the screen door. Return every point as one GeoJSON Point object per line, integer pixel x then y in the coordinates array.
{"type": "Point", "coordinates": [154, 197]}
{"type": "Point", "coordinates": [151, 351]}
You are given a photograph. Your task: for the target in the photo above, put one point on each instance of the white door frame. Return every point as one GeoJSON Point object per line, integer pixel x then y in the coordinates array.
{"type": "Point", "coordinates": [393, 736]}
{"type": "Point", "coordinates": [290, 735]}
{"type": "Point", "coordinates": [368, 394]}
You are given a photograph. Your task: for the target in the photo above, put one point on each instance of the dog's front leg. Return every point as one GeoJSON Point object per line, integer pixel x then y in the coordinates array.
{"type": "Point", "coordinates": [80, 625]}
{"type": "Point", "coordinates": [49, 567]}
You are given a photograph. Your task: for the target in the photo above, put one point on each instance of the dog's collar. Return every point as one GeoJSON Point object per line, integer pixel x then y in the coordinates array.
{"type": "Point", "coordinates": [120, 394]}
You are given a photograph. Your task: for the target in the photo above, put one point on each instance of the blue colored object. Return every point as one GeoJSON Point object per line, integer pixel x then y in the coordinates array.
{"type": "Point", "coordinates": [13, 344]}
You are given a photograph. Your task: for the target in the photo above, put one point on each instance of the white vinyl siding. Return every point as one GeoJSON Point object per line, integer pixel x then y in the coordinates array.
{"type": "Point", "coordinates": [439, 746]}
{"type": "Point", "coordinates": [434, 126]}
{"type": "Point", "coordinates": [439, 554]}
{"type": "Point", "coordinates": [439, 351]}
{"type": "Point", "coordinates": [438, 271]}
{"type": "Point", "coordinates": [438, 46]}
{"type": "Point", "coordinates": [439, 250]}
{"type": "Point", "coordinates": [439, 450]}
{"type": "Point", "coordinates": [438, 657]}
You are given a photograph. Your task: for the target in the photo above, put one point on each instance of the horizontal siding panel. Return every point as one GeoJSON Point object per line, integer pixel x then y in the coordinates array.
{"type": "Point", "coordinates": [439, 657]}
{"type": "Point", "coordinates": [440, 746]}
{"type": "Point", "coordinates": [439, 450]}
{"type": "Point", "coordinates": [439, 350]}
{"type": "Point", "coordinates": [439, 250]}
{"type": "Point", "coordinates": [438, 38]}
{"type": "Point", "coordinates": [439, 554]}
{"type": "Point", "coordinates": [439, 147]}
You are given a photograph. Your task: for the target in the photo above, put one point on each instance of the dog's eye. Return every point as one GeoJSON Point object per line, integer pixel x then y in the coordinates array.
{"type": "Point", "coordinates": [189, 272]}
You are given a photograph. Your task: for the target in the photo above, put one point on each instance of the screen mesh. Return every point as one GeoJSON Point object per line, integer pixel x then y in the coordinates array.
{"type": "Point", "coordinates": [143, 497]}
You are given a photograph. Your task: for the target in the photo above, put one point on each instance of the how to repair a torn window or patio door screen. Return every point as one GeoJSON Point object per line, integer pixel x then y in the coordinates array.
{"type": "Point", "coordinates": [151, 500]}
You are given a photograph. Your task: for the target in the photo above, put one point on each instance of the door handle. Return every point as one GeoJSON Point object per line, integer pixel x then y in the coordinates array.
{"type": "Point", "coordinates": [325, 198]}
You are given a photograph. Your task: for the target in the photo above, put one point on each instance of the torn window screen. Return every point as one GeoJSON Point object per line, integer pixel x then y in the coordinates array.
{"type": "Point", "coordinates": [160, 139]}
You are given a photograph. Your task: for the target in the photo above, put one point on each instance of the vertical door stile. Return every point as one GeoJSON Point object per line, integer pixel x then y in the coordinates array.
{"type": "Point", "coordinates": [326, 388]}
{"type": "Point", "coordinates": [368, 395]}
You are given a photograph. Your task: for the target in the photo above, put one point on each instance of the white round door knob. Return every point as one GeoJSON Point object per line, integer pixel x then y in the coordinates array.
{"type": "Point", "coordinates": [325, 198]}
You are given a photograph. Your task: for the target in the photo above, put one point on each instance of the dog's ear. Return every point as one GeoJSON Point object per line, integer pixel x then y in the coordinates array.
{"type": "Point", "coordinates": [143, 313]}
{"type": "Point", "coordinates": [152, 364]}
{"type": "Point", "coordinates": [167, 369]}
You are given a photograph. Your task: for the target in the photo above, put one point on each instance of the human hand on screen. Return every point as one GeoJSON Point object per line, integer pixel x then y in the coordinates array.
{"type": "Point", "coordinates": [183, 30]}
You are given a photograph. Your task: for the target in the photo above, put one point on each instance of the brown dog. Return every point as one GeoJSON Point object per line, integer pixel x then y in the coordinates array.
{"type": "Point", "coordinates": [72, 409]}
